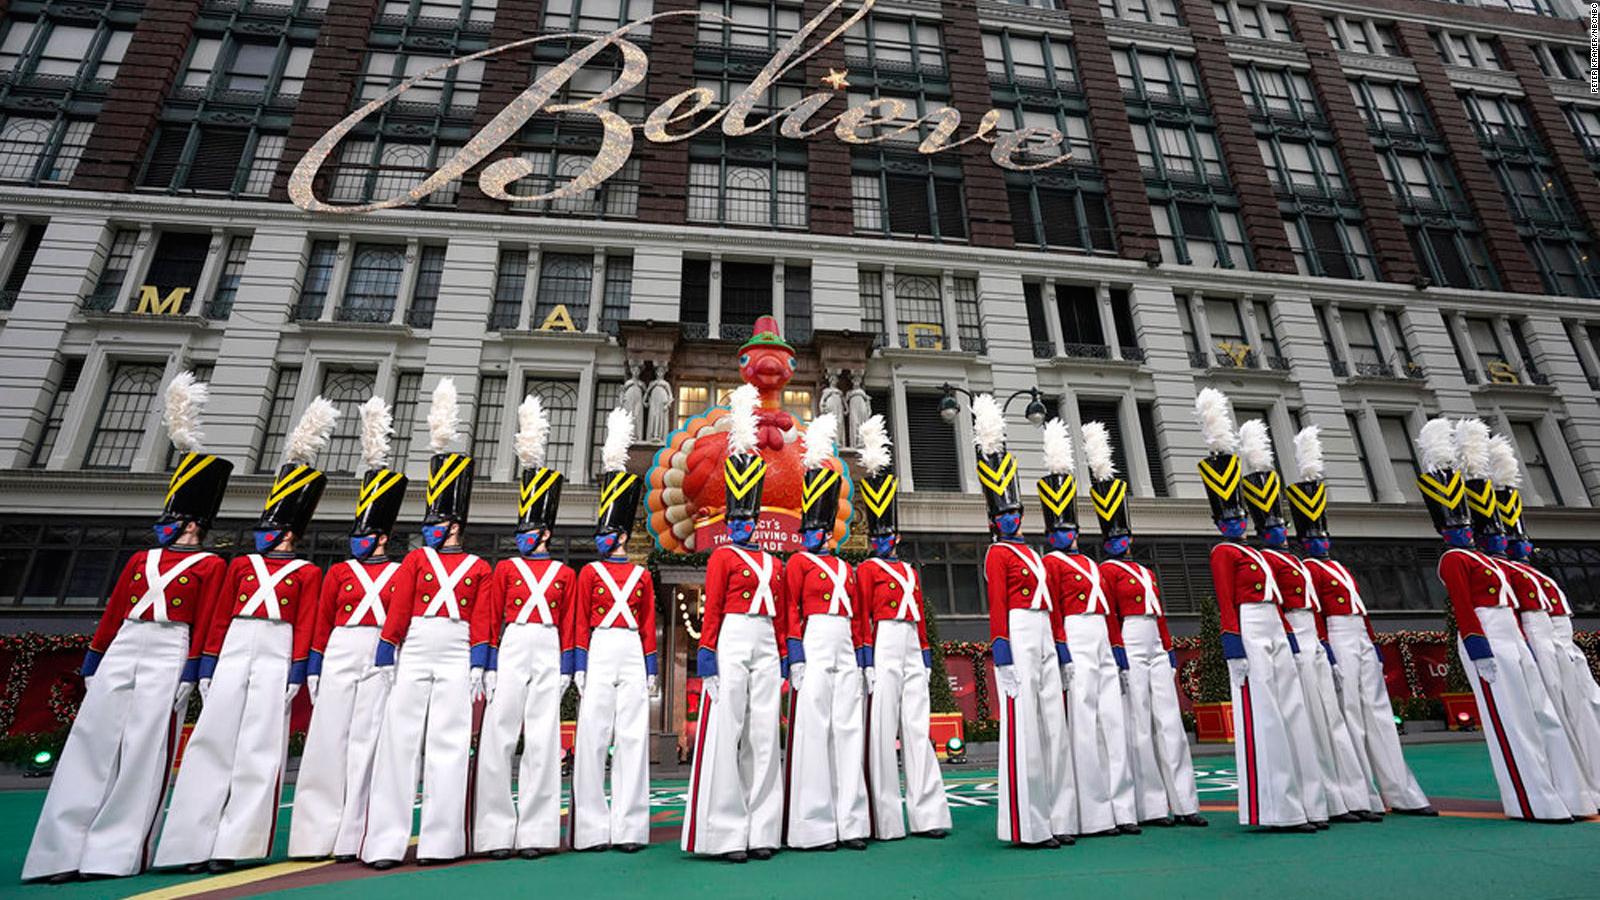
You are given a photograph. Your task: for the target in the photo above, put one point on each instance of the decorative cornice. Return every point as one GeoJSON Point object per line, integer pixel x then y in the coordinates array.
{"type": "Point", "coordinates": [1148, 35]}
{"type": "Point", "coordinates": [1051, 20]}
{"type": "Point", "coordinates": [1272, 51]}
{"type": "Point", "coordinates": [1367, 64]}
{"type": "Point", "coordinates": [1468, 77]}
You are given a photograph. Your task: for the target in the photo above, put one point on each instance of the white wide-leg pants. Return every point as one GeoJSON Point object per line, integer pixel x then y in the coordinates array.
{"type": "Point", "coordinates": [1568, 693]}
{"type": "Point", "coordinates": [527, 703]}
{"type": "Point", "coordinates": [825, 765]}
{"type": "Point", "coordinates": [899, 708]}
{"type": "Point", "coordinates": [1102, 771]}
{"type": "Point", "coordinates": [336, 768]}
{"type": "Point", "coordinates": [1269, 725]}
{"type": "Point", "coordinates": [1032, 783]}
{"type": "Point", "coordinates": [1370, 716]}
{"type": "Point", "coordinates": [1346, 782]}
{"type": "Point", "coordinates": [615, 709]}
{"type": "Point", "coordinates": [1163, 772]}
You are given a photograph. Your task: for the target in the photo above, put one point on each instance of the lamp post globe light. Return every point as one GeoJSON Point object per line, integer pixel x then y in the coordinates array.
{"type": "Point", "coordinates": [1035, 412]}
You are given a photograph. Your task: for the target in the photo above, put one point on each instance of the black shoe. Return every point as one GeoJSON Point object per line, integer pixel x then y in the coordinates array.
{"type": "Point", "coordinates": [855, 844]}
{"type": "Point", "coordinates": [1065, 840]}
{"type": "Point", "coordinates": [737, 856]}
{"type": "Point", "coordinates": [1129, 828]}
{"type": "Point", "coordinates": [1346, 818]}
{"type": "Point", "coordinates": [829, 847]}
{"type": "Point", "coordinates": [61, 878]}
{"type": "Point", "coordinates": [937, 834]}
{"type": "Point", "coordinates": [1193, 820]}
{"type": "Point", "coordinates": [383, 864]}
{"type": "Point", "coordinates": [348, 857]}
{"type": "Point", "coordinates": [1567, 821]}
{"type": "Point", "coordinates": [499, 854]}
{"type": "Point", "coordinates": [1109, 832]}
{"type": "Point", "coordinates": [1320, 824]}
{"type": "Point", "coordinates": [1419, 811]}
{"type": "Point", "coordinates": [1367, 815]}
{"type": "Point", "coordinates": [195, 868]}
{"type": "Point", "coordinates": [1163, 822]}
{"type": "Point", "coordinates": [217, 866]}
{"type": "Point", "coordinates": [531, 852]}
{"type": "Point", "coordinates": [630, 847]}
{"type": "Point", "coordinates": [595, 849]}
{"type": "Point", "coordinates": [762, 853]}
{"type": "Point", "coordinates": [1303, 828]}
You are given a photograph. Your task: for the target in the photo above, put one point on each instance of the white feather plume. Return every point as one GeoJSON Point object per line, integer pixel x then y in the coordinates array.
{"type": "Point", "coordinates": [1255, 446]}
{"type": "Point", "coordinates": [874, 445]}
{"type": "Point", "coordinates": [619, 435]}
{"type": "Point", "coordinates": [742, 419]}
{"type": "Point", "coordinates": [1308, 453]}
{"type": "Point", "coordinates": [1436, 445]}
{"type": "Point", "coordinates": [310, 434]}
{"type": "Point", "coordinates": [1058, 458]}
{"type": "Point", "coordinates": [988, 424]}
{"type": "Point", "coordinates": [377, 423]}
{"type": "Point", "coordinates": [186, 400]}
{"type": "Point", "coordinates": [820, 435]}
{"type": "Point", "coordinates": [1503, 467]}
{"type": "Point", "coordinates": [1472, 447]}
{"type": "Point", "coordinates": [444, 415]}
{"type": "Point", "coordinates": [533, 432]}
{"type": "Point", "coordinates": [1097, 450]}
{"type": "Point", "coordinates": [1216, 421]}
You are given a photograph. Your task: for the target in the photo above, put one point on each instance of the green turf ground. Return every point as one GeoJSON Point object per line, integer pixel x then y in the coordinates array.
{"type": "Point", "coordinates": [1454, 856]}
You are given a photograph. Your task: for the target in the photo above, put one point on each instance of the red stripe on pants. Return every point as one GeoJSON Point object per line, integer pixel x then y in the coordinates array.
{"type": "Point", "coordinates": [1011, 769]}
{"type": "Point", "coordinates": [1505, 751]}
{"type": "Point", "coordinates": [699, 751]}
{"type": "Point", "coordinates": [1250, 753]}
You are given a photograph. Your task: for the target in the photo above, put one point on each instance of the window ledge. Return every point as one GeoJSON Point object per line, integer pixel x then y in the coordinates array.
{"type": "Point", "coordinates": [154, 320]}
{"type": "Point", "coordinates": [388, 328]}
{"type": "Point", "coordinates": [534, 334]}
{"type": "Point", "coordinates": [919, 353]}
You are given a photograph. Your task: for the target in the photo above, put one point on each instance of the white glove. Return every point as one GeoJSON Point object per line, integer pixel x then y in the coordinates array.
{"type": "Point", "coordinates": [1486, 670]}
{"type": "Point", "coordinates": [205, 688]}
{"type": "Point", "coordinates": [708, 687]}
{"type": "Point", "coordinates": [1066, 677]}
{"type": "Point", "coordinates": [797, 674]}
{"type": "Point", "coordinates": [86, 680]}
{"type": "Point", "coordinates": [1574, 653]}
{"type": "Point", "coordinates": [652, 685]}
{"type": "Point", "coordinates": [1239, 669]}
{"type": "Point", "coordinates": [578, 679]}
{"type": "Point", "coordinates": [312, 683]}
{"type": "Point", "coordinates": [475, 682]}
{"type": "Point", "coordinates": [180, 703]}
{"type": "Point", "coordinates": [566, 682]}
{"type": "Point", "coordinates": [927, 675]}
{"type": "Point", "coordinates": [871, 674]}
{"type": "Point", "coordinates": [491, 679]}
{"type": "Point", "coordinates": [1010, 682]}
{"type": "Point", "coordinates": [288, 695]}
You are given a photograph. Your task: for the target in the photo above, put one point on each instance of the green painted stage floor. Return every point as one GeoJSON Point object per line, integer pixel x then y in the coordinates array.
{"type": "Point", "coordinates": [1470, 851]}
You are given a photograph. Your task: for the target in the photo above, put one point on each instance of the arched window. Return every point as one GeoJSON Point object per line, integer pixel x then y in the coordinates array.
{"type": "Point", "coordinates": [124, 417]}
{"type": "Point", "coordinates": [346, 390]}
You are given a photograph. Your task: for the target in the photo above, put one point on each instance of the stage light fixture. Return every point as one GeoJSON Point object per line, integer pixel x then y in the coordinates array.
{"type": "Point", "coordinates": [42, 764]}
{"type": "Point", "coordinates": [955, 750]}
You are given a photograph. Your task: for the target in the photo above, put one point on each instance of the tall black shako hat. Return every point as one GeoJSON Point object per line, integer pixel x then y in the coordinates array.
{"type": "Point", "coordinates": [1308, 496]}
{"type": "Point", "coordinates": [619, 489]}
{"type": "Point", "coordinates": [1507, 475]}
{"type": "Point", "coordinates": [1472, 449]}
{"type": "Point", "coordinates": [194, 493]}
{"type": "Point", "coordinates": [1261, 485]}
{"type": "Point", "coordinates": [1221, 471]}
{"type": "Point", "coordinates": [997, 468]}
{"type": "Point", "coordinates": [382, 489]}
{"type": "Point", "coordinates": [744, 472]}
{"type": "Point", "coordinates": [879, 486]}
{"type": "Point", "coordinates": [449, 494]}
{"type": "Point", "coordinates": [820, 483]}
{"type": "Point", "coordinates": [297, 489]}
{"type": "Point", "coordinates": [1058, 489]}
{"type": "Point", "coordinates": [539, 487]}
{"type": "Point", "coordinates": [1107, 489]}
{"type": "Point", "coordinates": [1443, 488]}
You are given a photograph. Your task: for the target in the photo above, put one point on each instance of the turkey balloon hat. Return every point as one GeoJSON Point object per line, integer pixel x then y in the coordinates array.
{"type": "Point", "coordinates": [879, 488]}
{"type": "Point", "coordinates": [383, 489]}
{"type": "Point", "coordinates": [1507, 475]}
{"type": "Point", "coordinates": [1483, 508]}
{"type": "Point", "coordinates": [195, 490]}
{"type": "Point", "coordinates": [1443, 487]}
{"type": "Point", "coordinates": [997, 469]}
{"type": "Point", "coordinates": [744, 473]}
{"type": "Point", "coordinates": [538, 486]}
{"type": "Point", "coordinates": [449, 495]}
{"type": "Point", "coordinates": [298, 486]}
{"type": "Point", "coordinates": [1261, 485]}
{"type": "Point", "coordinates": [1221, 469]}
{"type": "Point", "coordinates": [620, 489]}
{"type": "Point", "coordinates": [1308, 494]}
{"type": "Point", "coordinates": [821, 484]}
{"type": "Point", "coordinates": [1108, 491]}
{"type": "Point", "coordinates": [1058, 489]}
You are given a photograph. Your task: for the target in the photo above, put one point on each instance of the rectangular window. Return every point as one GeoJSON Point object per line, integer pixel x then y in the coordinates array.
{"type": "Point", "coordinates": [1108, 412]}
{"type": "Point", "coordinates": [1079, 309]}
{"type": "Point", "coordinates": [769, 195]}
{"type": "Point", "coordinates": [560, 399]}
{"type": "Point", "coordinates": [1267, 333]}
{"type": "Point", "coordinates": [41, 151]}
{"type": "Point", "coordinates": [969, 319]}
{"type": "Point", "coordinates": [1486, 343]}
{"type": "Point", "coordinates": [278, 422]}
{"type": "Point", "coordinates": [605, 400]}
{"type": "Point", "coordinates": [1038, 325]}
{"type": "Point", "coordinates": [694, 302]}
{"type": "Point", "coordinates": [1363, 340]}
{"type": "Point", "coordinates": [616, 198]}
{"type": "Point", "coordinates": [919, 306]}
{"type": "Point", "coordinates": [425, 292]}
{"type": "Point", "coordinates": [510, 280]}
{"type": "Point", "coordinates": [1402, 458]}
{"type": "Point", "coordinates": [797, 303]}
{"type": "Point", "coordinates": [1402, 344]}
{"type": "Point", "coordinates": [1191, 336]}
{"type": "Point", "coordinates": [174, 273]}
{"type": "Point", "coordinates": [124, 416]}
{"type": "Point", "coordinates": [928, 205]}
{"type": "Point", "coordinates": [936, 465]}
{"type": "Point", "coordinates": [71, 370]}
{"type": "Point", "coordinates": [108, 288]}
{"type": "Point", "coordinates": [1200, 235]}
{"type": "Point", "coordinates": [564, 280]}
{"type": "Point", "coordinates": [346, 390]}
{"type": "Point", "coordinates": [1537, 464]}
{"type": "Point", "coordinates": [1153, 457]}
{"type": "Point", "coordinates": [29, 235]}
{"type": "Point", "coordinates": [746, 297]}
{"type": "Point", "coordinates": [374, 285]}
{"type": "Point", "coordinates": [220, 306]}
{"type": "Point", "coordinates": [1363, 454]}
{"type": "Point", "coordinates": [455, 89]}
{"type": "Point", "coordinates": [617, 297]}
{"type": "Point", "coordinates": [869, 284]}
{"type": "Point", "coordinates": [406, 389]}
{"type": "Point", "coordinates": [1059, 217]}
{"type": "Point", "coordinates": [487, 415]}
{"type": "Point", "coordinates": [318, 280]}
{"type": "Point", "coordinates": [371, 170]}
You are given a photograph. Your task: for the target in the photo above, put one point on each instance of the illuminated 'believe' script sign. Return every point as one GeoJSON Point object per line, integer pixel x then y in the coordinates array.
{"type": "Point", "coordinates": [853, 126]}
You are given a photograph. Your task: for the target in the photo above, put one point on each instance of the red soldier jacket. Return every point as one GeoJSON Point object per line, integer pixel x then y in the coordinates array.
{"type": "Point", "coordinates": [1336, 590]}
{"type": "Point", "coordinates": [748, 582]}
{"type": "Point", "coordinates": [1015, 579]}
{"type": "Point", "coordinates": [1535, 591]}
{"type": "Point", "coordinates": [1077, 587]}
{"type": "Point", "coordinates": [612, 594]}
{"type": "Point", "coordinates": [1132, 590]}
{"type": "Point", "coordinates": [275, 586]}
{"type": "Point", "coordinates": [534, 589]}
{"type": "Point", "coordinates": [1474, 580]}
{"type": "Point", "coordinates": [889, 590]}
{"type": "Point", "coordinates": [821, 585]}
{"type": "Point", "coordinates": [355, 594]}
{"type": "Point", "coordinates": [174, 584]}
{"type": "Point", "coordinates": [441, 584]}
{"type": "Point", "coordinates": [1242, 575]}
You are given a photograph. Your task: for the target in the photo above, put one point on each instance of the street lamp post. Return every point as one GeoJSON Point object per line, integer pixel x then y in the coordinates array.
{"type": "Point", "coordinates": [949, 406]}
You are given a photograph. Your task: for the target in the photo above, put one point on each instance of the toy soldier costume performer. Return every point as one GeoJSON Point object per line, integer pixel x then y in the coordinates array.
{"type": "Point", "coordinates": [1269, 709]}
{"type": "Point", "coordinates": [1163, 773]}
{"type": "Point", "coordinates": [100, 814]}
{"type": "Point", "coordinates": [1339, 786]}
{"type": "Point", "coordinates": [896, 662]}
{"type": "Point", "coordinates": [735, 802]}
{"type": "Point", "coordinates": [530, 666]}
{"type": "Point", "coordinates": [333, 789]}
{"type": "Point", "coordinates": [225, 803]}
{"type": "Point", "coordinates": [614, 665]}
{"type": "Point", "coordinates": [1363, 695]}
{"type": "Point", "coordinates": [1037, 805]}
{"type": "Point", "coordinates": [1096, 725]}
{"type": "Point", "coordinates": [826, 763]}
{"type": "Point", "coordinates": [1533, 762]}
{"type": "Point", "coordinates": [438, 610]}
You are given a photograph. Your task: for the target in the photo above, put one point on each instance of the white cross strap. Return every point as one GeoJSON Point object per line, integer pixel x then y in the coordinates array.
{"type": "Point", "coordinates": [1097, 592]}
{"type": "Point", "coordinates": [371, 592]}
{"type": "Point", "coordinates": [1041, 590]}
{"type": "Point", "coordinates": [1312, 600]}
{"type": "Point", "coordinates": [538, 591]}
{"type": "Point", "coordinates": [266, 593]}
{"type": "Point", "coordinates": [1337, 572]}
{"type": "Point", "coordinates": [840, 595]}
{"type": "Point", "coordinates": [908, 588]}
{"type": "Point", "coordinates": [619, 596]}
{"type": "Point", "coordinates": [154, 598]}
{"type": "Point", "coordinates": [1506, 596]}
{"type": "Point", "coordinates": [1152, 602]}
{"type": "Point", "coordinates": [762, 602]}
{"type": "Point", "coordinates": [1538, 584]}
{"type": "Point", "coordinates": [444, 596]}
{"type": "Point", "coordinates": [1272, 593]}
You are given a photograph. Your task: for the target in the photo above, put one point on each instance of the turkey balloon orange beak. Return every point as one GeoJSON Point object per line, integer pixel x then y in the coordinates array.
{"type": "Point", "coordinates": [769, 371]}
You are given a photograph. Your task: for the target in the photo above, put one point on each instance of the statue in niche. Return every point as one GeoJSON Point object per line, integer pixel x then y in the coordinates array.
{"type": "Point", "coordinates": [859, 406]}
{"type": "Point", "coordinates": [832, 400]}
{"type": "Point", "coordinates": [659, 403]}
{"type": "Point", "coordinates": [631, 398]}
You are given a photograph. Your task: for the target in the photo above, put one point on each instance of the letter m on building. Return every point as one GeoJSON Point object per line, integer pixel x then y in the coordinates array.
{"type": "Point", "coordinates": [152, 303]}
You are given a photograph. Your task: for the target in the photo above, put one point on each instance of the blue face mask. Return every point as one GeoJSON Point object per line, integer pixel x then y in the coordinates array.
{"type": "Point", "coordinates": [1459, 536]}
{"type": "Point", "coordinates": [266, 539]}
{"type": "Point", "coordinates": [528, 541]}
{"type": "Point", "coordinates": [1520, 549]}
{"type": "Point", "coordinates": [815, 539]}
{"type": "Point", "coordinates": [740, 531]}
{"type": "Point", "coordinates": [1275, 536]}
{"type": "Point", "coordinates": [1063, 538]}
{"type": "Point", "coordinates": [1231, 528]}
{"type": "Point", "coordinates": [167, 532]}
{"type": "Point", "coordinates": [1317, 546]}
{"type": "Point", "coordinates": [1118, 546]}
{"type": "Point", "coordinates": [883, 545]}
{"type": "Point", "coordinates": [1008, 524]}
{"type": "Point", "coordinates": [606, 543]}
{"type": "Point", "coordinates": [434, 535]}
{"type": "Point", "coordinates": [362, 545]}
{"type": "Point", "coordinates": [1493, 543]}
